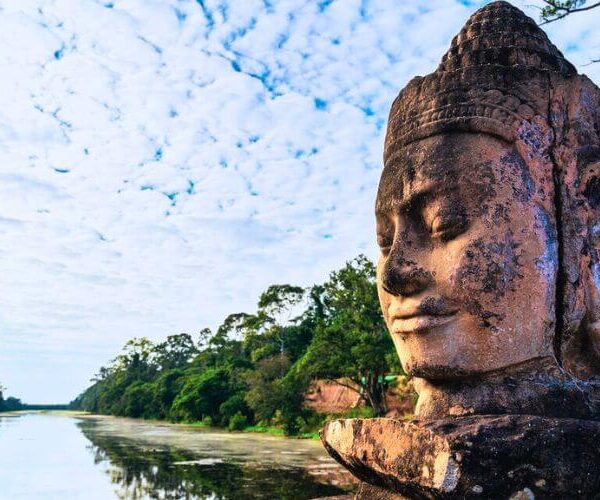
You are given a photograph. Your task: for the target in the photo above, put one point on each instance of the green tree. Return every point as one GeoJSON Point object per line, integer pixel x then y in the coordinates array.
{"type": "Point", "coordinates": [12, 404]}
{"type": "Point", "coordinates": [555, 10]}
{"type": "Point", "coordinates": [201, 395]}
{"type": "Point", "coordinates": [233, 406]}
{"type": "Point", "coordinates": [164, 391]}
{"type": "Point", "coordinates": [265, 393]}
{"type": "Point", "coordinates": [175, 352]}
{"type": "Point", "coordinates": [225, 345]}
{"type": "Point", "coordinates": [137, 400]}
{"type": "Point", "coordinates": [138, 359]}
{"type": "Point", "coordinates": [272, 329]}
{"type": "Point", "coordinates": [350, 338]}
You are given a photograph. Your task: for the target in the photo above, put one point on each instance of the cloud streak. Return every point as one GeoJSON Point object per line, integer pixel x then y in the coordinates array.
{"type": "Point", "coordinates": [165, 161]}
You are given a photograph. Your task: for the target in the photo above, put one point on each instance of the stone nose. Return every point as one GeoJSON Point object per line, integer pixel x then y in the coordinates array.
{"type": "Point", "coordinates": [406, 278]}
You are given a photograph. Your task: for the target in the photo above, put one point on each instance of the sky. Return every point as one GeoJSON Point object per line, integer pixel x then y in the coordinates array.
{"type": "Point", "coordinates": [163, 162]}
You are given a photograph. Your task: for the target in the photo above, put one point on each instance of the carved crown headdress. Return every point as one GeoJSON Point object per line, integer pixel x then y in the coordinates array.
{"type": "Point", "coordinates": [491, 79]}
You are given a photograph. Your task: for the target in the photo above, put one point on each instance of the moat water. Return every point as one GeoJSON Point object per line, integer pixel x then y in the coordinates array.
{"type": "Point", "coordinates": [67, 456]}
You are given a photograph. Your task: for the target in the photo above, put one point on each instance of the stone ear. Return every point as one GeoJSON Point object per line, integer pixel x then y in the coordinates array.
{"type": "Point", "coordinates": [589, 190]}
{"type": "Point", "coordinates": [575, 104]}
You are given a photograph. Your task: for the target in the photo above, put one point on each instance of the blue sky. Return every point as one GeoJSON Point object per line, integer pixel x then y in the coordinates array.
{"type": "Point", "coordinates": [165, 161]}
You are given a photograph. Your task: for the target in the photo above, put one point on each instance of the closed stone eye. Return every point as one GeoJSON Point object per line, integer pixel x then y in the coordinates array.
{"type": "Point", "coordinates": [447, 228]}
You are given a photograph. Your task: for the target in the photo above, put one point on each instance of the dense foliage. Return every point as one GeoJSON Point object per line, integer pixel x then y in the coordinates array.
{"type": "Point", "coordinates": [255, 368]}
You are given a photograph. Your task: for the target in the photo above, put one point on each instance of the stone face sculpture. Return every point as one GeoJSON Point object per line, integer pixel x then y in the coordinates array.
{"type": "Point", "coordinates": [488, 220]}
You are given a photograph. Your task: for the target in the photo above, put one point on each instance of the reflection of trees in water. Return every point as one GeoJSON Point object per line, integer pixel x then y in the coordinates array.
{"type": "Point", "coordinates": [142, 472]}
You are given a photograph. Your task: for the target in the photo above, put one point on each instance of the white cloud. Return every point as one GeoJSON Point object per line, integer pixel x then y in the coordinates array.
{"type": "Point", "coordinates": [161, 165]}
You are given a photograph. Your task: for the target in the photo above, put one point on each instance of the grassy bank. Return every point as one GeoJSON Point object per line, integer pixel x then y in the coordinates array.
{"type": "Point", "coordinates": [309, 431]}
{"type": "Point", "coordinates": [312, 432]}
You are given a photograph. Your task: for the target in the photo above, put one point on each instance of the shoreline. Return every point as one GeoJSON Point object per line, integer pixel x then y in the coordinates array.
{"type": "Point", "coordinates": [253, 429]}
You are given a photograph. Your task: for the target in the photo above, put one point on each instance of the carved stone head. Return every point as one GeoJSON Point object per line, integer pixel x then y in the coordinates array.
{"type": "Point", "coordinates": [488, 220]}
{"type": "Point", "coordinates": [488, 210]}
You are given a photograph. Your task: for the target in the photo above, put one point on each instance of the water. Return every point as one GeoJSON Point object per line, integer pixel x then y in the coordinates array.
{"type": "Point", "coordinates": [61, 456]}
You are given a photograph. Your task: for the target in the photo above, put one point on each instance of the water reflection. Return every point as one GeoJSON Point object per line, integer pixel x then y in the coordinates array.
{"type": "Point", "coordinates": [60, 456]}
{"type": "Point", "coordinates": [45, 456]}
{"type": "Point", "coordinates": [151, 468]}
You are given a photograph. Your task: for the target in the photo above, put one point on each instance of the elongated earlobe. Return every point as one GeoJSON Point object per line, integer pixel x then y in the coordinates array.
{"type": "Point", "coordinates": [581, 351]}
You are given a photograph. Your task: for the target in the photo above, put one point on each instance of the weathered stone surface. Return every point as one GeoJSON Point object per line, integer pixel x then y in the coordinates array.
{"type": "Point", "coordinates": [488, 220]}
{"type": "Point", "coordinates": [537, 387]}
{"type": "Point", "coordinates": [469, 457]}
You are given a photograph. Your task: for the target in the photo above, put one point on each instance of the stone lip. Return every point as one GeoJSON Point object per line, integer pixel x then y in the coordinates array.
{"type": "Point", "coordinates": [485, 456]}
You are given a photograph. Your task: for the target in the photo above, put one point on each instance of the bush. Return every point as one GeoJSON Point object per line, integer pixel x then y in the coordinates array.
{"type": "Point", "coordinates": [137, 400]}
{"type": "Point", "coordinates": [202, 394]}
{"type": "Point", "coordinates": [235, 404]}
{"type": "Point", "coordinates": [208, 421]}
{"type": "Point", "coordinates": [266, 394]}
{"type": "Point", "coordinates": [278, 419]}
{"type": "Point", "coordinates": [238, 422]}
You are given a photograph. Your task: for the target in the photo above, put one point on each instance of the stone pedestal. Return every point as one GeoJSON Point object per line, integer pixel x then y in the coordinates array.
{"type": "Point", "coordinates": [507, 456]}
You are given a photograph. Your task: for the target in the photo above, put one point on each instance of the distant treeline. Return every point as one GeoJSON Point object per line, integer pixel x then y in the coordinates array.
{"type": "Point", "coordinates": [256, 368]}
{"type": "Point", "coordinates": [15, 404]}
{"type": "Point", "coordinates": [50, 407]}
{"type": "Point", "coordinates": [10, 403]}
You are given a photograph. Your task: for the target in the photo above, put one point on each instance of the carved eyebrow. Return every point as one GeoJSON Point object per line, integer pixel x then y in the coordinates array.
{"type": "Point", "coordinates": [424, 195]}
{"type": "Point", "coordinates": [417, 197]}
{"type": "Point", "coordinates": [393, 205]}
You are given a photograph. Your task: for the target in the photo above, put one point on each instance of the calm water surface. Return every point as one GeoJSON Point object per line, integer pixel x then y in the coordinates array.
{"type": "Point", "coordinates": [53, 455]}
